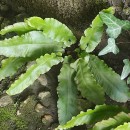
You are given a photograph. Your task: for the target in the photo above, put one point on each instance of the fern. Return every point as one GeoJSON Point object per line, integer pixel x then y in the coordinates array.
{"type": "Point", "coordinates": [128, 80]}
{"type": "Point", "coordinates": [58, 32]}
{"type": "Point", "coordinates": [10, 66]}
{"type": "Point", "coordinates": [92, 116]}
{"type": "Point", "coordinates": [67, 93]}
{"type": "Point", "coordinates": [31, 44]}
{"type": "Point", "coordinates": [19, 28]}
{"type": "Point", "coordinates": [126, 69]}
{"type": "Point", "coordinates": [33, 22]}
{"type": "Point", "coordinates": [87, 84]}
{"type": "Point", "coordinates": [92, 35]}
{"type": "Point", "coordinates": [109, 80]}
{"type": "Point", "coordinates": [88, 76]}
{"type": "Point", "coordinates": [125, 126]}
{"type": "Point", "coordinates": [112, 122]}
{"type": "Point", "coordinates": [43, 65]}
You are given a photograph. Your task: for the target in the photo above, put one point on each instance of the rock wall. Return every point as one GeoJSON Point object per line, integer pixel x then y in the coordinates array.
{"type": "Point", "coordinates": [74, 13]}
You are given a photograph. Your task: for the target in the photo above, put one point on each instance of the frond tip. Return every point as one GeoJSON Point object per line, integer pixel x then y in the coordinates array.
{"type": "Point", "coordinates": [43, 65]}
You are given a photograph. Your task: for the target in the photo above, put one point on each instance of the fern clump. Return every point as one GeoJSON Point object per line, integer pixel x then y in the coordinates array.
{"type": "Point", "coordinates": [45, 41]}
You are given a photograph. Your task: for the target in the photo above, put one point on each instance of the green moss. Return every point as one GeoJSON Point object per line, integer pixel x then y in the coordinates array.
{"type": "Point", "coordinates": [9, 120]}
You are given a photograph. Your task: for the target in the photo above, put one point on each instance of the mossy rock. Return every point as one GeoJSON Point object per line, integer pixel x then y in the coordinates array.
{"type": "Point", "coordinates": [9, 120]}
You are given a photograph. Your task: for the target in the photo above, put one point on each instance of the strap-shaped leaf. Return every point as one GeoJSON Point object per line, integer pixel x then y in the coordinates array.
{"type": "Point", "coordinates": [112, 122]}
{"type": "Point", "coordinates": [20, 28]}
{"type": "Point", "coordinates": [114, 24]}
{"type": "Point", "coordinates": [10, 66]}
{"type": "Point", "coordinates": [51, 28]}
{"type": "Point", "coordinates": [125, 126]}
{"type": "Point", "coordinates": [35, 22]}
{"type": "Point", "coordinates": [92, 116]}
{"type": "Point", "coordinates": [32, 23]}
{"type": "Point", "coordinates": [58, 32]}
{"type": "Point", "coordinates": [128, 80]}
{"type": "Point", "coordinates": [126, 69]}
{"type": "Point", "coordinates": [31, 44]}
{"type": "Point", "coordinates": [87, 84]}
{"type": "Point", "coordinates": [109, 80]}
{"type": "Point", "coordinates": [43, 65]}
{"type": "Point", "coordinates": [110, 10]}
{"type": "Point", "coordinates": [111, 47]}
{"type": "Point", "coordinates": [92, 35]}
{"type": "Point", "coordinates": [67, 93]}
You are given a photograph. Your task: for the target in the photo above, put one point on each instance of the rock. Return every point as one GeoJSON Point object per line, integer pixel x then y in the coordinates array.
{"type": "Point", "coordinates": [47, 120]}
{"type": "Point", "coordinates": [9, 120]}
{"type": "Point", "coordinates": [28, 112]}
{"type": "Point", "coordinates": [4, 8]}
{"type": "Point", "coordinates": [5, 100]}
{"type": "Point", "coordinates": [43, 80]}
{"type": "Point", "coordinates": [45, 98]}
{"type": "Point", "coordinates": [39, 108]}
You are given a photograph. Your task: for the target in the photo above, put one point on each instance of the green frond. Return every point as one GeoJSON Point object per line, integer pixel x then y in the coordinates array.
{"type": "Point", "coordinates": [128, 80]}
{"type": "Point", "coordinates": [92, 35]}
{"type": "Point", "coordinates": [114, 87]}
{"type": "Point", "coordinates": [67, 93]}
{"type": "Point", "coordinates": [92, 116]}
{"type": "Point", "coordinates": [35, 22]}
{"type": "Point", "coordinates": [125, 126]}
{"type": "Point", "coordinates": [33, 43]}
{"type": "Point", "coordinates": [43, 65]}
{"type": "Point", "coordinates": [10, 66]}
{"type": "Point", "coordinates": [19, 28]}
{"type": "Point", "coordinates": [113, 122]}
{"type": "Point", "coordinates": [58, 32]}
{"type": "Point", "coordinates": [110, 10]}
{"type": "Point", "coordinates": [87, 84]}
{"type": "Point", "coordinates": [126, 69]}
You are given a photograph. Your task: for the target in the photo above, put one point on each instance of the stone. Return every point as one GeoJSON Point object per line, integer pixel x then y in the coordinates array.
{"type": "Point", "coordinates": [42, 79]}
{"type": "Point", "coordinates": [47, 119]}
{"type": "Point", "coordinates": [5, 100]}
{"type": "Point", "coordinates": [39, 108]}
{"type": "Point", "coordinates": [45, 98]}
{"type": "Point", "coordinates": [4, 8]}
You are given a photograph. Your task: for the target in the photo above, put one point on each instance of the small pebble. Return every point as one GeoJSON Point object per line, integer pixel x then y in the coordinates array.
{"type": "Point", "coordinates": [47, 119]}
{"type": "Point", "coordinates": [39, 107]}
{"type": "Point", "coordinates": [43, 80]}
{"type": "Point", "coordinates": [5, 100]}
{"type": "Point", "coordinates": [45, 98]}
